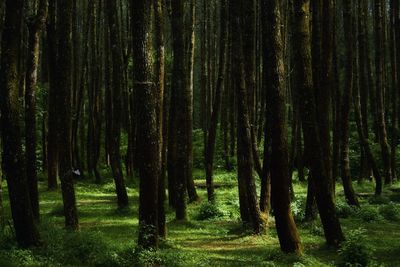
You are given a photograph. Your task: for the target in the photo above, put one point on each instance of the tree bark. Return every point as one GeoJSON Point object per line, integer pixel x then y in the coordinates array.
{"type": "Point", "coordinates": [12, 157]}
{"type": "Point", "coordinates": [312, 135]}
{"type": "Point", "coordinates": [348, 21]}
{"type": "Point", "coordinates": [116, 58]}
{"type": "Point", "coordinates": [64, 85]}
{"type": "Point", "coordinates": [381, 87]}
{"type": "Point", "coordinates": [212, 131]}
{"type": "Point", "coordinates": [35, 26]}
{"type": "Point", "coordinates": [148, 133]}
{"type": "Point", "coordinates": [280, 182]}
{"type": "Point", "coordinates": [183, 108]}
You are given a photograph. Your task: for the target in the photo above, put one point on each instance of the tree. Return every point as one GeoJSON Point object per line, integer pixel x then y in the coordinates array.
{"type": "Point", "coordinates": [52, 138]}
{"type": "Point", "coordinates": [349, 26]}
{"type": "Point", "coordinates": [12, 157]}
{"type": "Point", "coordinates": [212, 131]}
{"type": "Point", "coordinates": [287, 231]}
{"type": "Point", "coordinates": [116, 94]}
{"type": "Point", "coordinates": [159, 10]}
{"type": "Point", "coordinates": [183, 110]}
{"type": "Point", "coordinates": [381, 87]}
{"type": "Point", "coordinates": [35, 25]}
{"type": "Point", "coordinates": [63, 81]}
{"type": "Point", "coordinates": [148, 137]}
{"type": "Point", "coordinates": [249, 209]}
{"type": "Point", "coordinates": [312, 136]}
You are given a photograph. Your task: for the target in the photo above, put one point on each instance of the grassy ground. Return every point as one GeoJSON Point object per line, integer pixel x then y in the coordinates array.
{"type": "Point", "coordinates": [108, 235]}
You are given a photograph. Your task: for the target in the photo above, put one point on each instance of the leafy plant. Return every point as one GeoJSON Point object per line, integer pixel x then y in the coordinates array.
{"type": "Point", "coordinates": [369, 214]}
{"type": "Point", "coordinates": [209, 211]}
{"type": "Point", "coordinates": [390, 212]}
{"type": "Point", "coordinates": [355, 251]}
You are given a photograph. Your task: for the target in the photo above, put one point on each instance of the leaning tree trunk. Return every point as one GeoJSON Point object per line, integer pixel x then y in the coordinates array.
{"type": "Point", "coordinates": [323, 190]}
{"type": "Point", "coordinates": [12, 157]}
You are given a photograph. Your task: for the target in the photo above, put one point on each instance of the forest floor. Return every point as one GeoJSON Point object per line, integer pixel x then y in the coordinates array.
{"type": "Point", "coordinates": [108, 235]}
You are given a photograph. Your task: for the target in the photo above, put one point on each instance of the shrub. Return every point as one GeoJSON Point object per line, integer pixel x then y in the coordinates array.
{"type": "Point", "coordinates": [395, 198]}
{"type": "Point", "coordinates": [147, 258]}
{"type": "Point", "coordinates": [379, 200]}
{"type": "Point", "coordinates": [369, 214]}
{"type": "Point", "coordinates": [390, 212]}
{"type": "Point", "coordinates": [344, 210]}
{"type": "Point", "coordinates": [298, 207]}
{"type": "Point", "coordinates": [355, 250]}
{"type": "Point", "coordinates": [208, 211]}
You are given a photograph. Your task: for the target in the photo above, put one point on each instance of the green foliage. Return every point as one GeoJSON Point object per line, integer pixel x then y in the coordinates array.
{"type": "Point", "coordinates": [369, 214]}
{"type": "Point", "coordinates": [395, 198]}
{"type": "Point", "coordinates": [390, 212]}
{"type": "Point", "coordinates": [147, 258]}
{"type": "Point", "coordinates": [209, 211]}
{"type": "Point", "coordinates": [355, 251]}
{"type": "Point", "coordinates": [344, 210]}
{"type": "Point", "coordinates": [298, 207]}
{"type": "Point", "coordinates": [379, 200]}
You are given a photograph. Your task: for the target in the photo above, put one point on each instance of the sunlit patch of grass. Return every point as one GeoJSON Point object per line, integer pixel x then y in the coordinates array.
{"type": "Point", "coordinates": [221, 241]}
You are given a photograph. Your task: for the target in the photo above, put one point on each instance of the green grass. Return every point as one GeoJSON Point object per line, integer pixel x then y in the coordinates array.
{"type": "Point", "coordinates": [108, 235]}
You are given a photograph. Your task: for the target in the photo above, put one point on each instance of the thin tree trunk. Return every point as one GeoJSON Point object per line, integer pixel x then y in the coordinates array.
{"type": "Point", "coordinates": [348, 21]}
{"type": "Point", "coordinates": [116, 56]}
{"type": "Point", "coordinates": [212, 131]}
{"type": "Point", "coordinates": [64, 85]}
{"type": "Point", "coordinates": [35, 26]}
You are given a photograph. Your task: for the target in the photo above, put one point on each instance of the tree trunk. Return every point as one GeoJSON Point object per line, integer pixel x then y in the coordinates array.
{"type": "Point", "coordinates": [348, 21]}
{"type": "Point", "coordinates": [280, 182]}
{"type": "Point", "coordinates": [380, 88]}
{"type": "Point", "coordinates": [250, 211]}
{"type": "Point", "coordinates": [161, 117]}
{"type": "Point", "coordinates": [312, 135]}
{"type": "Point", "coordinates": [52, 143]}
{"type": "Point", "coordinates": [35, 26]}
{"type": "Point", "coordinates": [12, 157]}
{"type": "Point", "coordinates": [116, 56]}
{"type": "Point", "coordinates": [183, 110]}
{"type": "Point", "coordinates": [148, 133]}
{"type": "Point", "coordinates": [212, 131]}
{"type": "Point", "coordinates": [64, 85]}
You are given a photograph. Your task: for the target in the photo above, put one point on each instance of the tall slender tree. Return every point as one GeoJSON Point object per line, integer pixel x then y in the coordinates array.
{"type": "Point", "coordinates": [323, 190]}
{"type": "Point", "coordinates": [212, 131]}
{"type": "Point", "coordinates": [349, 26]}
{"type": "Point", "coordinates": [12, 157]}
{"type": "Point", "coordinates": [183, 109]}
{"type": "Point", "coordinates": [116, 96]}
{"type": "Point", "coordinates": [379, 7]}
{"type": "Point", "coordinates": [64, 84]}
{"type": "Point", "coordinates": [148, 137]}
{"type": "Point", "coordinates": [287, 231]}
{"type": "Point", "coordinates": [35, 25]}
